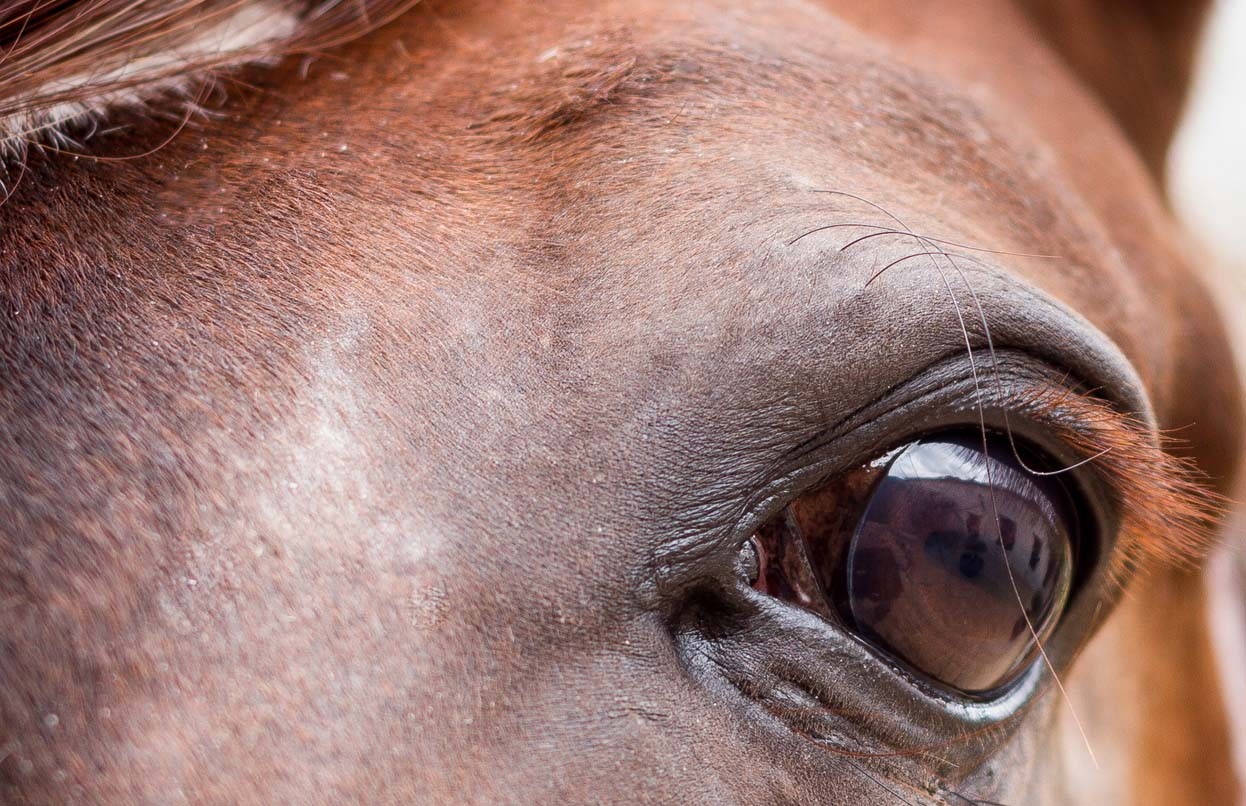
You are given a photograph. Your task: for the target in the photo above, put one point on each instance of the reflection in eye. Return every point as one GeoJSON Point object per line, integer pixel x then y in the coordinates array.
{"type": "Point", "coordinates": [938, 554]}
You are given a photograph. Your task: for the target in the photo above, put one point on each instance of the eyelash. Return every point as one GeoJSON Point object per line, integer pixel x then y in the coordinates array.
{"type": "Point", "coordinates": [897, 538]}
{"type": "Point", "coordinates": [1150, 507]}
{"type": "Point", "coordinates": [1153, 507]}
{"type": "Point", "coordinates": [1167, 513]}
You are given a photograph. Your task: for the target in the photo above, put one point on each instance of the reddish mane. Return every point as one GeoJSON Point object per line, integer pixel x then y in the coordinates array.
{"type": "Point", "coordinates": [69, 62]}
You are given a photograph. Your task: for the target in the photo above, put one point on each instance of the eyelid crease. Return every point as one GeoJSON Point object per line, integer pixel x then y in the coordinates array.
{"type": "Point", "coordinates": [1169, 515]}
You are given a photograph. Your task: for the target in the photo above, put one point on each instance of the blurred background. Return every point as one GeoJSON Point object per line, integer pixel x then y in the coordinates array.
{"type": "Point", "coordinates": [1207, 183]}
{"type": "Point", "coordinates": [1207, 166]}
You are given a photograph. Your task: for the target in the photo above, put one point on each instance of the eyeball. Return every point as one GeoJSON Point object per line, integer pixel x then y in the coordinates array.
{"type": "Point", "coordinates": [961, 563]}
{"type": "Point", "coordinates": [948, 556]}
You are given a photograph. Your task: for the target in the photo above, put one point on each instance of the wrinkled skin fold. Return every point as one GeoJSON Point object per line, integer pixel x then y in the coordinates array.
{"type": "Point", "coordinates": [391, 434]}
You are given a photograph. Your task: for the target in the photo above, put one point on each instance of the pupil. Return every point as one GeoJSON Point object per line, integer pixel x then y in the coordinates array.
{"type": "Point", "coordinates": [955, 549]}
{"type": "Point", "coordinates": [971, 561]}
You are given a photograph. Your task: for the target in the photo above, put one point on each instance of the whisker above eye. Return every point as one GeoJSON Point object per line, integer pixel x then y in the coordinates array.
{"type": "Point", "coordinates": [1188, 520]}
{"type": "Point", "coordinates": [884, 231]}
{"type": "Point", "coordinates": [1169, 513]}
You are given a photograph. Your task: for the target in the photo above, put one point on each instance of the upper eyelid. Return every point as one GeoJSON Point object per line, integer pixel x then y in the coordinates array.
{"type": "Point", "coordinates": [798, 431]}
{"type": "Point", "coordinates": [767, 476]}
{"type": "Point", "coordinates": [1168, 514]}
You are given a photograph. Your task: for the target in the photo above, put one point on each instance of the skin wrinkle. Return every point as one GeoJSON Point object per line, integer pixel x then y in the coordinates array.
{"type": "Point", "coordinates": [537, 309]}
{"type": "Point", "coordinates": [785, 422]}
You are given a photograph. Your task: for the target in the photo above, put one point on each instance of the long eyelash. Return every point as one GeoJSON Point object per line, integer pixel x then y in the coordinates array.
{"type": "Point", "coordinates": [1159, 493]}
{"type": "Point", "coordinates": [1169, 515]}
{"type": "Point", "coordinates": [937, 251]}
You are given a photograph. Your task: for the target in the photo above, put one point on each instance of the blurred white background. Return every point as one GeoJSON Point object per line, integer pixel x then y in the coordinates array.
{"type": "Point", "coordinates": [1207, 168]}
{"type": "Point", "coordinates": [1207, 182]}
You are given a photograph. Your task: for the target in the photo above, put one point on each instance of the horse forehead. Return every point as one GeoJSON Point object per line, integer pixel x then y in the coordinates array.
{"type": "Point", "coordinates": [619, 154]}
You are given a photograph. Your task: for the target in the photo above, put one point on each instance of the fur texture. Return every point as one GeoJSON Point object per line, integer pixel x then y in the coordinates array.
{"type": "Point", "coordinates": [67, 65]}
{"type": "Point", "coordinates": [385, 438]}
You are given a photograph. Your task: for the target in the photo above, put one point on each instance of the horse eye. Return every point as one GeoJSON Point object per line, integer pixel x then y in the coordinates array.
{"type": "Point", "coordinates": [953, 560]}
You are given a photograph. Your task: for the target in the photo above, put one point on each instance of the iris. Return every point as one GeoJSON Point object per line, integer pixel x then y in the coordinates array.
{"type": "Point", "coordinates": [948, 555]}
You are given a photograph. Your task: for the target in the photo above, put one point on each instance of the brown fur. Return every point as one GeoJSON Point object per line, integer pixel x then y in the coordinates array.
{"type": "Point", "coordinates": [1142, 74]}
{"type": "Point", "coordinates": [57, 52]}
{"type": "Point", "coordinates": [352, 441]}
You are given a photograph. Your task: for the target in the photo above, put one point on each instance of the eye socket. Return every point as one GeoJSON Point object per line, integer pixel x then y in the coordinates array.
{"type": "Point", "coordinates": [906, 553]}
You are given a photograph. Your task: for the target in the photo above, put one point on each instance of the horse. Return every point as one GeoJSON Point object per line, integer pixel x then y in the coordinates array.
{"type": "Point", "coordinates": [605, 402]}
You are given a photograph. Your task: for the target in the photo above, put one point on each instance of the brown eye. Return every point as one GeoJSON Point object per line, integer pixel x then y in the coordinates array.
{"type": "Point", "coordinates": [944, 556]}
